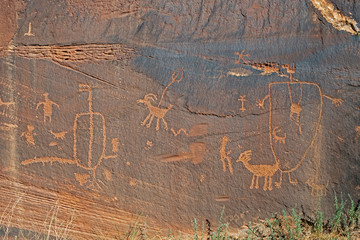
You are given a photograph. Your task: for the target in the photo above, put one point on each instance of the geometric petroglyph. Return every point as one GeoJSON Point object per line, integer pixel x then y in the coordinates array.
{"type": "Point", "coordinates": [276, 137]}
{"type": "Point", "coordinates": [89, 127]}
{"type": "Point", "coordinates": [196, 130]}
{"type": "Point", "coordinates": [299, 119]}
{"type": "Point", "coordinates": [157, 111]}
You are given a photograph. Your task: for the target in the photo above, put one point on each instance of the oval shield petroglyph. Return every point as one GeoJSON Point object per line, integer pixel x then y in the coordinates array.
{"type": "Point", "coordinates": [89, 141]}
{"type": "Point", "coordinates": [295, 116]}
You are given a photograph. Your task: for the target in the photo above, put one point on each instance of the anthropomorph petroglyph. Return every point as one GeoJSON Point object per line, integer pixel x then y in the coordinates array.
{"type": "Point", "coordinates": [29, 134]}
{"type": "Point", "coordinates": [29, 33]}
{"type": "Point", "coordinates": [156, 110]}
{"type": "Point", "coordinates": [47, 105]}
{"type": "Point", "coordinates": [242, 99]}
{"type": "Point", "coordinates": [284, 123]}
{"type": "Point", "coordinates": [86, 158]}
{"type": "Point", "coordinates": [224, 155]}
{"type": "Point", "coordinates": [241, 57]}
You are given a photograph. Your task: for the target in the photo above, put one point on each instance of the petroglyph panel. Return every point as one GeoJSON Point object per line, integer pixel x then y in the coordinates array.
{"type": "Point", "coordinates": [174, 109]}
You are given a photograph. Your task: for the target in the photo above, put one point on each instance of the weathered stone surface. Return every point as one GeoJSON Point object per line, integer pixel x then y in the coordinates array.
{"type": "Point", "coordinates": [173, 109]}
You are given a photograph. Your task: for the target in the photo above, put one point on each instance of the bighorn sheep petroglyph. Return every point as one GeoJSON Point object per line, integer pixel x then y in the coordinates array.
{"type": "Point", "coordinates": [155, 111]}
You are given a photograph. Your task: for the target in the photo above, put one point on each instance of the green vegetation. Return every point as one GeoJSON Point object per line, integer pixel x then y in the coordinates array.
{"type": "Point", "coordinates": [343, 224]}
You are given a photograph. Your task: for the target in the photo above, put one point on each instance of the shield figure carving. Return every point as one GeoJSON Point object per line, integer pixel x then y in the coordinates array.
{"type": "Point", "coordinates": [294, 122]}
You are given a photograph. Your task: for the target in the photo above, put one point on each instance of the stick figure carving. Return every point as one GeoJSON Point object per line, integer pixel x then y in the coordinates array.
{"type": "Point", "coordinates": [225, 155]}
{"type": "Point", "coordinates": [47, 104]}
{"type": "Point", "coordinates": [302, 106]}
{"type": "Point", "coordinates": [157, 111]}
{"type": "Point", "coordinates": [89, 128]}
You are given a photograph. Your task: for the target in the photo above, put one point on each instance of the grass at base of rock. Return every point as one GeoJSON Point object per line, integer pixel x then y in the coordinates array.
{"type": "Point", "coordinates": [343, 224]}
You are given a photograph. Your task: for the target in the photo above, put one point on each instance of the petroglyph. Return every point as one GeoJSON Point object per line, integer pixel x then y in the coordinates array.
{"type": "Point", "coordinates": [196, 130]}
{"type": "Point", "coordinates": [295, 92]}
{"type": "Point", "coordinates": [357, 130]}
{"type": "Point", "coordinates": [157, 111]}
{"type": "Point", "coordinates": [154, 111]}
{"type": "Point", "coordinates": [115, 145]}
{"type": "Point", "coordinates": [317, 189]}
{"type": "Point", "coordinates": [47, 105]}
{"type": "Point", "coordinates": [149, 145]}
{"type": "Point", "coordinates": [241, 57]}
{"type": "Point", "coordinates": [87, 159]}
{"type": "Point", "coordinates": [242, 99]}
{"type": "Point", "coordinates": [199, 130]}
{"type": "Point", "coordinates": [6, 104]}
{"type": "Point", "coordinates": [58, 135]}
{"type": "Point", "coordinates": [29, 33]}
{"type": "Point", "coordinates": [176, 133]}
{"type": "Point", "coordinates": [222, 198]}
{"type": "Point", "coordinates": [107, 175]}
{"type": "Point", "coordinates": [338, 20]}
{"type": "Point", "coordinates": [76, 53]}
{"type": "Point", "coordinates": [266, 171]}
{"type": "Point", "coordinates": [261, 102]}
{"type": "Point", "coordinates": [224, 155]}
{"type": "Point", "coordinates": [196, 154]}
{"type": "Point", "coordinates": [29, 134]}
{"type": "Point", "coordinates": [276, 137]}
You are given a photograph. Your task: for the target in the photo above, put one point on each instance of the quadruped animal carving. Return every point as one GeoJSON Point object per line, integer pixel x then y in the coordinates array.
{"type": "Point", "coordinates": [154, 111]}
{"type": "Point", "coordinates": [318, 188]}
{"type": "Point", "coordinates": [296, 91]}
{"type": "Point", "coordinates": [157, 111]}
{"type": "Point", "coordinates": [89, 127]}
{"type": "Point", "coordinates": [261, 170]}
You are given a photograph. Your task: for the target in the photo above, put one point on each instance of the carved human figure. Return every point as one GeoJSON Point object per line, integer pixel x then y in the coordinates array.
{"type": "Point", "coordinates": [47, 104]}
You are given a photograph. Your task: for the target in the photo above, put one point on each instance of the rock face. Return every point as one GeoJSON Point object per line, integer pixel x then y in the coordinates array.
{"type": "Point", "coordinates": [173, 109]}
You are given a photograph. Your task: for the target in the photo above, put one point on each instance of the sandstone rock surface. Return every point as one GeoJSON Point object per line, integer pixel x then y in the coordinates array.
{"type": "Point", "coordinates": [173, 109]}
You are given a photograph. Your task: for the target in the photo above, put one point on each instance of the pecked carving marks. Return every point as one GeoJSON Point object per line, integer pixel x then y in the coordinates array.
{"type": "Point", "coordinates": [77, 53]}
{"type": "Point", "coordinates": [335, 17]}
